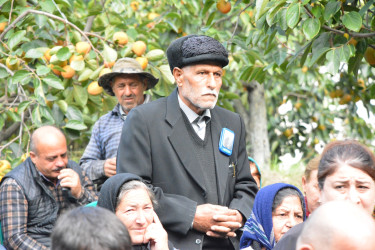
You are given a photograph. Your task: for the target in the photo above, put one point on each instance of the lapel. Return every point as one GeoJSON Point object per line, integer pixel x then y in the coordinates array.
{"type": "Point", "coordinates": [180, 140]}
{"type": "Point", "coordinates": [221, 160]}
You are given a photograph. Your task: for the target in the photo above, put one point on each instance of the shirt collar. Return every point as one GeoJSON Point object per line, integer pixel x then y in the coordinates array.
{"type": "Point", "coordinates": [121, 111]}
{"type": "Point", "coordinates": [48, 180]}
{"type": "Point", "coordinates": [190, 114]}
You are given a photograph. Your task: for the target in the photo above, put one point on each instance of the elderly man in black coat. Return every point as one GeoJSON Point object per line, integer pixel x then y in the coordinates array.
{"type": "Point", "coordinates": [192, 152]}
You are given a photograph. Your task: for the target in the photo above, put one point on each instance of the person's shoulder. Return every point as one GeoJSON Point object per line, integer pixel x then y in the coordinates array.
{"type": "Point", "coordinates": [289, 240]}
{"type": "Point", "coordinates": [226, 112]}
{"type": "Point", "coordinates": [151, 107]}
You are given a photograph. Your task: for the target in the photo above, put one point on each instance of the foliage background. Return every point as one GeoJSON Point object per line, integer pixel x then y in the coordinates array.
{"type": "Point", "coordinates": [300, 52]}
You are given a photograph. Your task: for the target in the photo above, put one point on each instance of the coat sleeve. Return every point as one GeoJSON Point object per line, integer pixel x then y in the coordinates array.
{"type": "Point", "coordinates": [245, 187]}
{"type": "Point", "coordinates": [134, 155]}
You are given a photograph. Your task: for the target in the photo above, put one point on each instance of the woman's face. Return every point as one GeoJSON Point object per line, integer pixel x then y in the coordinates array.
{"type": "Point", "coordinates": [136, 212]}
{"type": "Point", "coordinates": [311, 190]}
{"type": "Point", "coordinates": [352, 184]}
{"type": "Point", "coordinates": [288, 214]}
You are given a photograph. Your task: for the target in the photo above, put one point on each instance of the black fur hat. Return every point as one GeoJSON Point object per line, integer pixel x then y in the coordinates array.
{"type": "Point", "coordinates": [195, 49]}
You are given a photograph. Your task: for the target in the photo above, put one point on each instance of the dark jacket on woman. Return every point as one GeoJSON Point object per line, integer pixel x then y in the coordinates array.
{"type": "Point", "coordinates": [109, 193]}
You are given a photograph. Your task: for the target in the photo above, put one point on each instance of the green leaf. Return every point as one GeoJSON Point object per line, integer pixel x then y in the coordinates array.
{"type": "Point", "coordinates": [73, 113]}
{"type": "Point", "coordinates": [42, 70]}
{"type": "Point", "coordinates": [207, 6]}
{"type": "Point", "coordinates": [75, 125]}
{"type": "Point", "coordinates": [3, 73]}
{"type": "Point", "coordinates": [34, 53]}
{"type": "Point", "coordinates": [16, 38]}
{"type": "Point", "coordinates": [352, 21]}
{"type": "Point", "coordinates": [53, 81]}
{"type": "Point", "coordinates": [155, 55]}
{"type": "Point", "coordinates": [77, 65]}
{"type": "Point", "coordinates": [166, 72]}
{"type": "Point", "coordinates": [23, 106]}
{"type": "Point", "coordinates": [292, 15]}
{"type": "Point", "coordinates": [317, 55]}
{"type": "Point", "coordinates": [333, 57]}
{"type": "Point", "coordinates": [80, 95]}
{"type": "Point", "coordinates": [62, 105]}
{"type": "Point", "coordinates": [95, 10]}
{"type": "Point", "coordinates": [63, 54]}
{"type": "Point", "coordinates": [46, 112]}
{"type": "Point", "coordinates": [20, 75]}
{"type": "Point", "coordinates": [311, 28]}
{"type": "Point", "coordinates": [366, 7]}
{"type": "Point", "coordinates": [47, 6]}
{"type": "Point", "coordinates": [330, 9]}
{"type": "Point", "coordinates": [35, 115]}
{"type": "Point", "coordinates": [85, 75]}
{"type": "Point", "coordinates": [109, 54]}
{"type": "Point", "coordinates": [260, 8]}
{"type": "Point", "coordinates": [273, 11]}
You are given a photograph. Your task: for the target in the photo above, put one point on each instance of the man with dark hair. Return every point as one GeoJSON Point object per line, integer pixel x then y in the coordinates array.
{"type": "Point", "coordinates": [93, 228]}
{"type": "Point", "coordinates": [127, 82]}
{"type": "Point", "coordinates": [32, 195]}
{"type": "Point", "coordinates": [176, 144]}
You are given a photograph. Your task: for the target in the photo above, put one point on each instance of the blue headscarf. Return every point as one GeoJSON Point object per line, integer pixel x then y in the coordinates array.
{"type": "Point", "coordinates": [259, 226]}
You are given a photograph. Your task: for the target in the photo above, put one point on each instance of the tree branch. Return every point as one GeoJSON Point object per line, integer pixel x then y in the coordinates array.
{"type": "Point", "coordinates": [20, 17]}
{"type": "Point", "coordinates": [9, 131]}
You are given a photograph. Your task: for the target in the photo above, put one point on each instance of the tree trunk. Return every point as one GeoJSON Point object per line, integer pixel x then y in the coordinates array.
{"type": "Point", "coordinates": [256, 124]}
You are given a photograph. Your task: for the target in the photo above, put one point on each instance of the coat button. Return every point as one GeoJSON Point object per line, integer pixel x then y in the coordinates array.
{"type": "Point", "coordinates": [198, 241]}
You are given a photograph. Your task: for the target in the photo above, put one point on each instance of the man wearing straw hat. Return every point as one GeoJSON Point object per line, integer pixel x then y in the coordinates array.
{"type": "Point", "coordinates": [127, 82]}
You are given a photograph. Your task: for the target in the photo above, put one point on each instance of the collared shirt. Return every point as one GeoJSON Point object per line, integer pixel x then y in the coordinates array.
{"type": "Point", "coordinates": [14, 208]}
{"type": "Point", "coordinates": [104, 141]}
{"type": "Point", "coordinates": [197, 121]}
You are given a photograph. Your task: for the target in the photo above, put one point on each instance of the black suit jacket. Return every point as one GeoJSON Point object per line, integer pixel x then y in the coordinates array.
{"type": "Point", "coordinates": [155, 145]}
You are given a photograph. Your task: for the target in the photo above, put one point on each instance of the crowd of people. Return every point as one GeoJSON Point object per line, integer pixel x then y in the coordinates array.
{"type": "Point", "coordinates": [174, 174]}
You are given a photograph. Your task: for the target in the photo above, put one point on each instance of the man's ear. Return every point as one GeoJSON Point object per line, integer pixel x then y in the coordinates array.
{"type": "Point", "coordinates": [32, 156]}
{"type": "Point", "coordinates": [178, 76]}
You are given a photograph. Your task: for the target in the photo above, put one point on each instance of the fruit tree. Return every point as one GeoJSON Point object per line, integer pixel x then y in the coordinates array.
{"type": "Point", "coordinates": [297, 70]}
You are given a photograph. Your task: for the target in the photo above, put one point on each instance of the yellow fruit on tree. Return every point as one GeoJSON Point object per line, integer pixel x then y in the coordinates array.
{"type": "Point", "coordinates": [56, 71]}
{"type": "Point", "coordinates": [108, 64]}
{"type": "Point", "coordinates": [83, 48]}
{"type": "Point", "coordinates": [298, 105]}
{"type": "Point", "coordinates": [4, 164]}
{"type": "Point", "coordinates": [69, 72]}
{"type": "Point", "coordinates": [370, 56]}
{"type": "Point", "coordinates": [120, 37]}
{"type": "Point", "coordinates": [304, 69]}
{"type": "Point", "coordinates": [94, 88]}
{"type": "Point", "coordinates": [288, 132]}
{"type": "Point", "coordinates": [104, 71]}
{"type": "Point", "coordinates": [13, 66]}
{"type": "Point", "coordinates": [142, 61]}
{"type": "Point", "coordinates": [353, 42]}
{"type": "Point", "coordinates": [139, 48]}
{"type": "Point", "coordinates": [322, 127]}
{"type": "Point", "coordinates": [223, 6]}
{"type": "Point", "coordinates": [134, 5]}
{"type": "Point", "coordinates": [152, 15]}
{"type": "Point", "coordinates": [346, 35]}
{"type": "Point", "coordinates": [24, 156]}
{"type": "Point", "coordinates": [75, 58]}
{"type": "Point", "coordinates": [2, 26]}
{"type": "Point", "coordinates": [150, 25]}
{"type": "Point", "coordinates": [47, 55]}
{"type": "Point", "coordinates": [339, 92]}
{"type": "Point", "coordinates": [316, 140]}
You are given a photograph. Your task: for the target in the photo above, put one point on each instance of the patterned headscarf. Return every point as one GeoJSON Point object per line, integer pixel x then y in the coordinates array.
{"type": "Point", "coordinates": [259, 226]}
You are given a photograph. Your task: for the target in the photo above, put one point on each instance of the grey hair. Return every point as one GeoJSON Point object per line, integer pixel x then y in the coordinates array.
{"type": "Point", "coordinates": [134, 185]}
